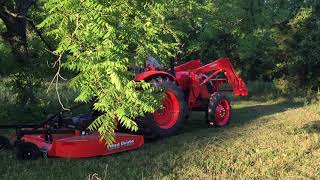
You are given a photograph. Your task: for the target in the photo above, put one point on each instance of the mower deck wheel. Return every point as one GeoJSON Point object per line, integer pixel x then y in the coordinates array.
{"type": "Point", "coordinates": [27, 151]}
{"type": "Point", "coordinates": [4, 142]}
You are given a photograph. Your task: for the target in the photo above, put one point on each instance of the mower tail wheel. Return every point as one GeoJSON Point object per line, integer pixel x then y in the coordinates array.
{"type": "Point", "coordinates": [219, 110]}
{"type": "Point", "coordinates": [169, 120]}
{"type": "Point", "coordinates": [4, 143]}
{"type": "Point", "coordinates": [27, 151]}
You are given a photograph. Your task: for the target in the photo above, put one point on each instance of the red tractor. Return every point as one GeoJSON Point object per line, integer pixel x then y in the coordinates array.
{"type": "Point", "coordinates": [191, 87]}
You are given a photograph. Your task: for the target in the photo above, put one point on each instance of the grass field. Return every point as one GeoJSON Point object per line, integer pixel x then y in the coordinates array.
{"type": "Point", "coordinates": [265, 139]}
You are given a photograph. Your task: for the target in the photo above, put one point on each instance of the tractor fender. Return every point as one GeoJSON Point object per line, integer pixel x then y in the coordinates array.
{"type": "Point", "coordinates": [151, 74]}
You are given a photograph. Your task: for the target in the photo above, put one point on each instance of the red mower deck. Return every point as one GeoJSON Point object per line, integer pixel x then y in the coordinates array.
{"type": "Point", "coordinates": [84, 146]}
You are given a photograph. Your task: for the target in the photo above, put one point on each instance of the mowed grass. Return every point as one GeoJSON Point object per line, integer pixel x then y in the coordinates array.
{"type": "Point", "coordinates": [265, 139]}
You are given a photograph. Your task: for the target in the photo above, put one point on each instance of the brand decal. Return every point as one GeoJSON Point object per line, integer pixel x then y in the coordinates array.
{"type": "Point", "coordinates": [120, 144]}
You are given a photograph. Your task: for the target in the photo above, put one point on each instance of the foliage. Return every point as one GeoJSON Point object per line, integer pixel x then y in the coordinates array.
{"type": "Point", "coordinates": [23, 84]}
{"type": "Point", "coordinates": [301, 39]}
{"type": "Point", "coordinates": [102, 41]}
{"type": "Point", "coordinates": [267, 40]}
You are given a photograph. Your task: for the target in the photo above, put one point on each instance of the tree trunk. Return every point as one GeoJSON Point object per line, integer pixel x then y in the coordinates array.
{"type": "Point", "coordinates": [14, 15]}
{"type": "Point", "coordinates": [15, 20]}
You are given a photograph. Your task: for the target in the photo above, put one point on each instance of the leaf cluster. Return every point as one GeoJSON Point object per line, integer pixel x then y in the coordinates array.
{"type": "Point", "coordinates": [104, 41]}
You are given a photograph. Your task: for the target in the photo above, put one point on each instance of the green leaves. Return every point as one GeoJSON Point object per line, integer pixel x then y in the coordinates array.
{"type": "Point", "coordinates": [104, 40]}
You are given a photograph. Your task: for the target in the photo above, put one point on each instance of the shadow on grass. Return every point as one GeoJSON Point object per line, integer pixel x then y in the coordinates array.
{"type": "Point", "coordinates": [244, 115]}
{"type": "Point", "coordinates": [171, 155]}
{"type": "Point", "coordinates": [309, 128]}
{"type": "Point", "coordinates": [241, 116]}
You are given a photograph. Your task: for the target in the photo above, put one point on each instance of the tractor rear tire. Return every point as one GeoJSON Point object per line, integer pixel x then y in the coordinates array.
{"type": "Point", "coordinates": [219, 110]}
{"type": "Point", "coordinates": [168, 121]}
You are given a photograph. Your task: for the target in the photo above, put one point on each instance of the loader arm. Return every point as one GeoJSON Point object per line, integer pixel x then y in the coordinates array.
{"type": "Point", "coordinates": [224, 65]}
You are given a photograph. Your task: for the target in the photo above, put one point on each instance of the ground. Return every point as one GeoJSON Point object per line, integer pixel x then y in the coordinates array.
{"type": "Point", "coordinates": [265, 139]}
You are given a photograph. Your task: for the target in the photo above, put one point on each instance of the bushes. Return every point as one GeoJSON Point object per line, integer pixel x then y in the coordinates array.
{"type": "Point", "coordinates": [281, 88]}
{"type": "Point", "coordinates": [11, 111]}
{"type": "Point", "coordinates": [299, 57]}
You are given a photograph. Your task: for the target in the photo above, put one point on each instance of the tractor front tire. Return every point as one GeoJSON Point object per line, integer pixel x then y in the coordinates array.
{"type": "Point", "coordinates": [167, 121]}
{"type": "Point", "coordinates": [219, 110]}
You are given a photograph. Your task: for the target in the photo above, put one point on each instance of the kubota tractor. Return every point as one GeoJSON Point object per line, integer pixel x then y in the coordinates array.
{"type": "Point", "coordinates": [191, 87]}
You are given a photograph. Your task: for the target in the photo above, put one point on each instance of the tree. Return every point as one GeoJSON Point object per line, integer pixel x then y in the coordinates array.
{"type": "Point", "coordinates": [104, 40]}
{"type": "Point", "coordinates": [14, 16]}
